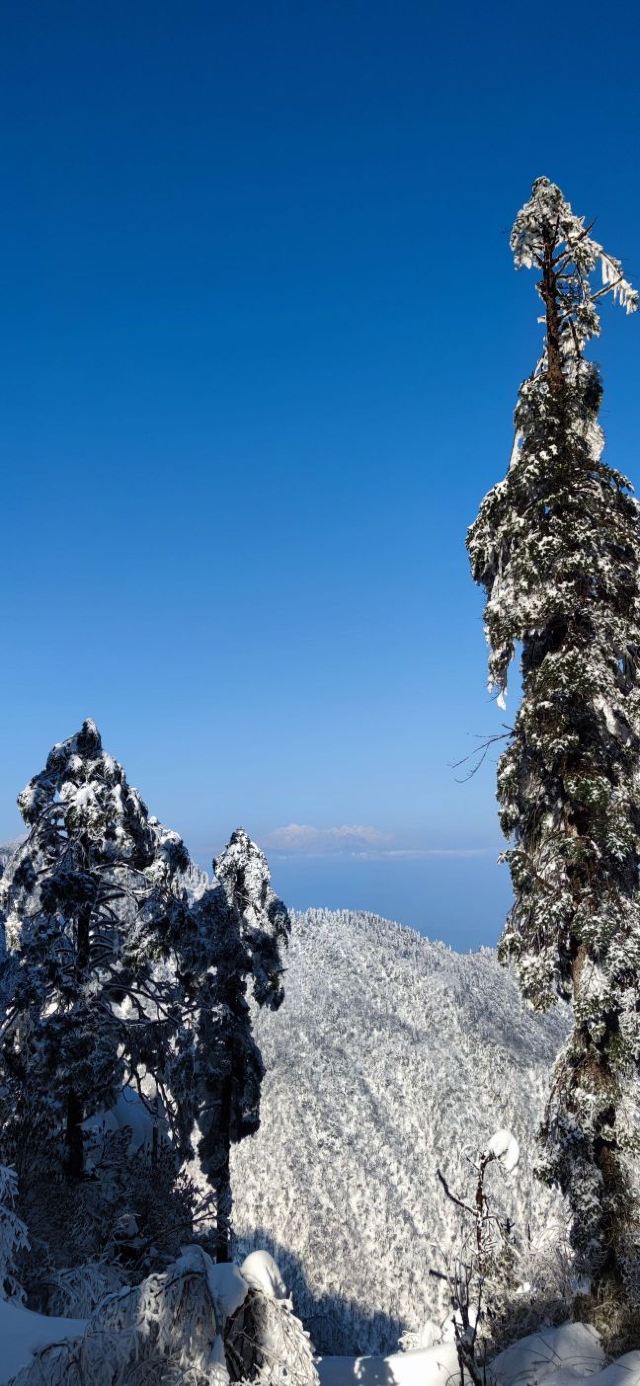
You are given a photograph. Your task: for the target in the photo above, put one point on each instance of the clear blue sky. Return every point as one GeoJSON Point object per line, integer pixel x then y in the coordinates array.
{"type": "Point", "coordinates": [261, 345]}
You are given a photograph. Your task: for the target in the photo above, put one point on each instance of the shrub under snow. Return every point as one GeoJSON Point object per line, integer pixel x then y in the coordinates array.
{"type": "Point", "coordinates": [197, 1324]}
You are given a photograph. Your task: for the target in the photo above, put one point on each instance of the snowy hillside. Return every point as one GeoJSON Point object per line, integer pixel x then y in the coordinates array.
{"type": "Point", "coordinates": [390, 1056]}
{"type": "Point", "coordinates": [6, 851]}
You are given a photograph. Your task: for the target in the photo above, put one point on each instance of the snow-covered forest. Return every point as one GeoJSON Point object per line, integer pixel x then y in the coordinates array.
{"type": "Point", "coordinates": [238, 1144]}
{"type": "Point", "coordinates": [393, 1057]}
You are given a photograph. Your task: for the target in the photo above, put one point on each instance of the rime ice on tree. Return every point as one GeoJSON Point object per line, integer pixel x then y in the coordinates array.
{"type": "Point", "coordinates": [556, 546]}
{"type": "Point", "coordinates": [242, 927]}
{"type": "Point", "coordinates": [119, 973]}
{"type": "Point", "coordinates": [88, 903]}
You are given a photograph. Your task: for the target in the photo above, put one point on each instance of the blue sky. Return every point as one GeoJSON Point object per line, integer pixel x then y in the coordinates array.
{"type": "Point", "coordinates": [262, 341]}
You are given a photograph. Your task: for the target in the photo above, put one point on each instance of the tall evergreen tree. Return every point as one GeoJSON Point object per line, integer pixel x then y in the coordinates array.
{"type": "Point", "coordinates": [556, 546]}
{"type": "Point", "coordinates": [88, 902]}
{"type": "Point", "coordinates": [241, 927]}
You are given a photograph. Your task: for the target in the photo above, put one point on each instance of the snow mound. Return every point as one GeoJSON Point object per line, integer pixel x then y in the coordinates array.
{"type": "Point", "coordinates": [434, 1366]}
{"type": "Point", "coordinates": [561, 1356]}
{"type": "Point", "coordinates": [262, 1273]}
{"type": "Point", "coordinates": [557, 1356]}
{"type": "Point", "coordinates": [22, 1333]}
{"type": "Point", "coordinates": [624, 1372]}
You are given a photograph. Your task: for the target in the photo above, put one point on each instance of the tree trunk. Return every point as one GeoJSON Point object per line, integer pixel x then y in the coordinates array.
{"type": "Point", "coordinates": [75, 1105]}
{"type": "Point", "coordinates": [549, 291]}
{"type": "Point", "coordinates": [74, 1138]}
{"type": "Point", "coordinates": [595, 1076]}
{"type": "Point", "coordinates": [83, 941]}
{"type": "Point", "coordinates": [224, 1206]}
{"type": "Point", "coordinates": [224, 1197]}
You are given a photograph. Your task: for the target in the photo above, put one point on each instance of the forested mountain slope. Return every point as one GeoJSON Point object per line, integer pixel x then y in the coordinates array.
{"type": "Point", "coordinates": [391, 1056]}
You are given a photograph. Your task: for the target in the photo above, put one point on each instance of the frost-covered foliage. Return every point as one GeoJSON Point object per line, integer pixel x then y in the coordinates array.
{"type": "Point", "coordinates": [392, 1057]}
{"type": "Point", "coordinates": [13, 1234]}
{"type": "Point", "coordinates": [7, 850]}
{"type": "Point", "coordinates": [195, 1324]}
{"type": "Point", "coordinates": [241, 926]}
{"type": "Point", "coordinates": [483, 1264]}
{"type": "Point", "coordinates": [265, 1341]}
{"type": "Point", "coordinates": [502, 1283]}
{"type": "Point", "coordinates": [244, 875]}
{"type": "Point", "coordinates": [126, 1217]}
{"type": "Point", "coordinates": [125, 1030]}
{"type": "Point", "coordinates": [556, 546]}
{"type": "Point", "coordinates": [88, 905]}
{"type": "Point", "coordinates": [75, 1292]}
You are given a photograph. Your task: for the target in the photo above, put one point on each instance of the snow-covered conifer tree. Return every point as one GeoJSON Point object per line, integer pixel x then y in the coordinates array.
{"type": "Point", "coordinates": [556, 546]}
{"type": "Point", "coordinates": [88, 903]}
{"type": "Point", "coordinates": [242, 928]}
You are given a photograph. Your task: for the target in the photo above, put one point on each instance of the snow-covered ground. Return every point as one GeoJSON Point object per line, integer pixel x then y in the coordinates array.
{"type": "Point", "coordinates": [562, 1356]}
{"type": "Point", "coordinates": [554, 1357]}
{"type": "Point", "coordinates": [22, 1333]}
